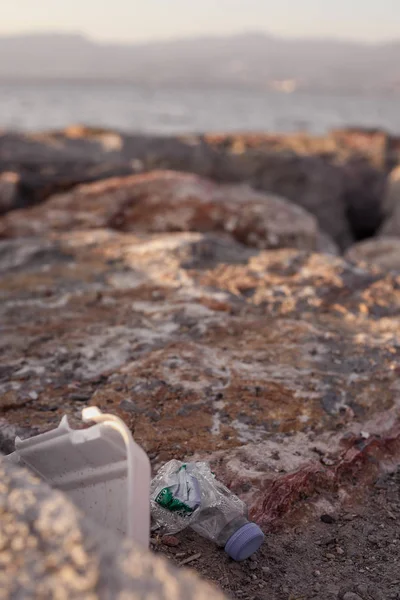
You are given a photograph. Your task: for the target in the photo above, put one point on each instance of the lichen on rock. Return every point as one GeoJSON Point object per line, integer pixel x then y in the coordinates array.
{"type": "Point", "coordinates": [207, 316]}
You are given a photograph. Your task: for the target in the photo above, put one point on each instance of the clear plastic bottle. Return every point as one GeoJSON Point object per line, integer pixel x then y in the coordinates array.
{"type": "Point", "coordinates": [188, 495]}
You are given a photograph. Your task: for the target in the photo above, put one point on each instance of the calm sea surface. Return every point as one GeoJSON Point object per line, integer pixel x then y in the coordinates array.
{"type": "Point", "coordinates": [36, 106]}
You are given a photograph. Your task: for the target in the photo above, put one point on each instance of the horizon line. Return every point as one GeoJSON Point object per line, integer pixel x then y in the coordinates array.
{"type": "Point", "coordinates": [197, 37]}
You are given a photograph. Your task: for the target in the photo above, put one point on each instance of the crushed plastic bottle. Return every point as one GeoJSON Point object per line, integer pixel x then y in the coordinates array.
{"type": "Point", "coordinates": [188, 495]}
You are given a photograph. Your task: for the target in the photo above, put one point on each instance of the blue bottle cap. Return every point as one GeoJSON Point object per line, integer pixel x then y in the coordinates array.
{"type": "Point", "coordinates": [244, 542]}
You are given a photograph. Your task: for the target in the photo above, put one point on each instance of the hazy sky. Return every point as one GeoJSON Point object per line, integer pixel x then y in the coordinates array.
{"type": "Point", "coordinates": [131, 20]}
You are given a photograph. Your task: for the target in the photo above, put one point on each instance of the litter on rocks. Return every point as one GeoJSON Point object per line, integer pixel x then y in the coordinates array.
{"type": "Point", "coordinates": [188, 495]}
{"type": "Point", "coordinates": [107, 475]}
{"type": "Point", "coordinates": [104, 472]}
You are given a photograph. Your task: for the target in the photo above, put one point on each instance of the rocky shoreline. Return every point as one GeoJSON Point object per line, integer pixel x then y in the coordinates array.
{"type": "Point", "coordinates": [234, 298]}
{"type": "Point", "coordinates": [339, 178]}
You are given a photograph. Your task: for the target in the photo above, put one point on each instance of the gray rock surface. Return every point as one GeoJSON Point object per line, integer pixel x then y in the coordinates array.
{"type": "Point", "coordinates": [381, 252]}
{"type": "Point", "coordinates": [326, 245]}
{"type": "Point", "coordinates": [280, 367]}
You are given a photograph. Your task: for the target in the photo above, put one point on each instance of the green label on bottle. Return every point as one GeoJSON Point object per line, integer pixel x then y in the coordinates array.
{"type": "Point", "coordinates": [183, 496]}
{"type": "Point", "coordinates": [167, 500]}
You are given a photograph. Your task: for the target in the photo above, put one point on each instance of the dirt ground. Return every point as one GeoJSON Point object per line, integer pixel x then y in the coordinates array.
{"type": "Point", "coordinates": [354, 557]}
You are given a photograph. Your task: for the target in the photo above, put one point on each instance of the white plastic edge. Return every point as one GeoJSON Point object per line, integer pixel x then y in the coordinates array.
{"type": "Point", "coordinates": [138, 528]}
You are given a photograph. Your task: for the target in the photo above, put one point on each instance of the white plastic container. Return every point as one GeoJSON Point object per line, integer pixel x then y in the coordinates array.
{"type": "Point", "coordinates": [104, 472]}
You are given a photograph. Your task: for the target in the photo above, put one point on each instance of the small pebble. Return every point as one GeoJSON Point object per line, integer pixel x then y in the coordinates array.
{"type": "Point", "coordinates": [80, 397]}
{"type": "Point", "coordinates": [190, 559]}
{"type": "Point", "coordinates": [154, 540]}
{"type": "Point", "coordinates": [266, 570]}
{"type": "Point", "coordinates": [253, 566]}
{"type": "Point", "coordinates": [317, 573]}
{"type": "Point", "coordinates": [328, 519]}
{"type": "Point", "coordinates": [362, 590]}
{"type": "Point", "coordinates": [170, 540]}
{"type": "Point", "coordinates": [330, 556]}
{"type": "Point", "coordinates": [349, 517]}
{"type": "Point", "coordinates": [328, 462]}
{"type": "Point", "coordinates": [339, 550]}
{"type": "Point", "coordinates": [33, 395]}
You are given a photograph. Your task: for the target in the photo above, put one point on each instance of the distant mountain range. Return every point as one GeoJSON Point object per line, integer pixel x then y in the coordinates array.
{"type": "Point", "coordinates": [248, 60]}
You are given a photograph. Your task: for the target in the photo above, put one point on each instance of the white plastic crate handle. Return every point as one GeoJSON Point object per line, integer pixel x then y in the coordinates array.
{"type": "Point", "coordinates": [138, 527]}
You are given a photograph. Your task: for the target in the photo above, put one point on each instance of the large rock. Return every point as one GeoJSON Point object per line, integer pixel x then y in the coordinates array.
{"type": "Point", "coordinates": [36, 186]}
{"type": "Point", "coordinates": [30, 151]}
{"type": "Point", "coordinates": [338, 178]}
{"type": "Point", "coordinates": [50, 550]}
{"type": "Point", "coordinates": [326, 245]}
{"type": "Point", "coordinates": [391, 227]}
{"type": "Point", "coordinates": [281, 367]}
{"type": "Point", "coordinates": [56, 162]}
{"type": "Point", "coordinates": [47, 164]}
{"type": "Point", "coordinates": [170, 201]}
{"type": "Point", "coordinates": [352, 164]}
{"type": "Point", "coordinates": [392, 197]}
{"type": "Point", "coordinates": [8, 191]}
{"type": "Point", "coordinates": [308, 181]}
{"type": "Point", "coordinates": [383, 252]}
{"type": "Point", "coordinates": [394, 151]}
{"type": "Point", "coordinates": [372, 144]}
